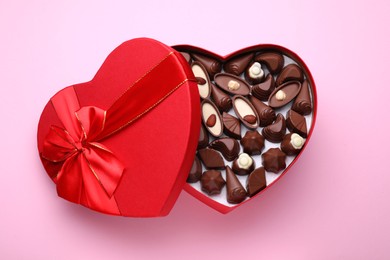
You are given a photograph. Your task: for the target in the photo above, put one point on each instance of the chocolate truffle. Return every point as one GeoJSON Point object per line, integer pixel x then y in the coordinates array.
{"type": "Point", "coordinates": [237, 65]}
{"type": "Point", "coordinates": [292, 144]}
{"type": "Point", "coordinates": [274, 61]}
{"type": "Point", "coordinates": [266, 114]}
{"type": "Point", "coordinates": [211, 158]}
{"type": "Point", "coordinates": [221, 99]}
{"type": "Point", "coordinates": [203, 140]}
{"type": "Point", "coordinates": [256, 182]}
{"type": "Point", "coordinates": [274, 160]}
{"type": "Point", "coordinates": [276, 131]}
{"type": "Point", "coordinates": [202, 79]}
{"type": "Point", "coordinates": [211, 118]}
{"type": "Point", "coordinates": [232, 126]}
{"type": "Point", "coordinates": [232, 84]}
{"type": "Point", "coordinates": [252, 142]}
{"type": "Point", "coordinates": [296, 123]}
{"type": "Point", "coordinates": [302, 103]}
{"type": "Point", "coordinates": [212, 66]}
{"type": "Point", "coordinates": [245, 112]}
{"type": "Point", "coordinates": [243, 165]}
{"type": "Point", "coordinates": [212, 182]}
{"type": "Point", "coordinates": [254, 74]}
{"type": "Point", "coordinates": [283, 94]}
{"type": "Point", "coordinates": [263, 90]}
{"type": "Point", "coordinates": [289, 73]}
{"type": "Point", "coordinates": [228, 147]}
{"type": "Point", "coordinates": [195, 172]}
{"type": "Point", "coordinates": [235, 193]}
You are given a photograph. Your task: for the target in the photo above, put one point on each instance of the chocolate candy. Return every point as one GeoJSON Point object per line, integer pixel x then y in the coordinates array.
{"type": "Point", "coordinates": [290, 73]}
{"type": "Point", "coordinates": [254, 74]}
{"type": "Point", "coordinates": [232, 126]}
{"type": "Point", "coordinates": [203, 140]}
{"type": "Point", "coordinates": [235, 193]}
{"type": "Point", "coordinates": [212, 182]}
{"type": "Point", "coordinates": [274, 61]}
{"type": "Point", "coordinates": [221, 99]}
{"type": "Point", "coordinates": [292, 144]}
{"type": "Point", "coordinates": [228, 147]}
{"type": "Point", "coordinates": [202, 78]}
{"type": "Point", "coordinates": [237, 65]}
{"type": "Point", "coordinates": [195, 172]}
{"type": "Point", "coordinates": [256, 182]}
{"type": "Point", "coordinates": [263, 90]}
{"type": "Point", "coordinates": [302, 103]}
{"type": "Point", "coordinates": [211, 118]}
{"type": "Point", "coordinates": [232, 84]}
{"type": "Point", "coordinates": [211, 65]}
{"type": "Point", "coordinates": [276, 131]}
{"type": "Point", "coordinates": [266, 114]}
{"type": "Point", "coordinates": [274, 160]}
{"type": "Point", "coordinates": [211, 158]}
{"type": "Point", "coordinates": [243, 165]}
{"type": "Point", "coordinates": [245, 112]}
{"type": "Point", "coordinates": [284, 94]}
{"type": "Point", "coordinates": [296, 123]}
{"type": "Point", "coordinates": [252, 142]}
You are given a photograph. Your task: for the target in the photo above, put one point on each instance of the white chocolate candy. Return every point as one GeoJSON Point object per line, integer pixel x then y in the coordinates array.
{"type": "Point", "coordinates": [280, 95]}
{"type": "Point", "coordinates": [255, 71]}
{"type": "Point", "coordinates": [242, 108]}
{"type": "Point", "coordinates": [207, 111]}
{"type": "Point", "coordinates": [244, 161]}
{"type": "Point", "coordinates": [297, 141]}
{"type": "Point", "coordinates": [233, 85]}
{"type": "Point", "coordinates": [204, 90]}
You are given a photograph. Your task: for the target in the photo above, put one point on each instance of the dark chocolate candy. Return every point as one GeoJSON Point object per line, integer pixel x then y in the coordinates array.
{"type": "Point", "coordinates": [237, 65]}
{"type": "Point", "coordinates": [274, 61]}
{"type": "Point", "coordinates": [274, 160]}
{"type": "Point", "coordinates": [211, 158]}
{"type": "Point", "coordinates": [276, 131]}
{"type": "Point", "coordinates": [266, 114]}
{"type": "Point", "coordinates": [202, 79]}
{"type": "Point", "coordinates": [263, 90]}
{"type": "Point", "coordinates": [212, 66]}
{"type": "Point", "coordinates": [212, 182]}
{"type": "Point", "coordinates": [254, 74]}
{"type": "Point", "coordinates": [195, 172]}
{"type": "Point", "coordinates": [221, 99]}
{"type": "Point", "coordinates": [256, 182]}
{"type": "Point", "coordinates": [289, 73]}
{"type": "Point", "coordinates": [245, 112]}
{"type": "Point", "coordinates": [209, 113]}
{"type": "Point", "coordinates": [296, 123]}
{"type": "Point", "coordinates": [232, 84]}
{"type": "Point", "coordinates": [231, 126]}
{"type": "Point", "coordinates": [302, 103]}
{"type": "Point", "coordinates": [203, 140]}
{"type": "Point", "coordinates": [235, 192]}
{"type": "Point", "coordinates": [243, 165]}
{"type": "Point", "coordinates": [228, 147]}
{"type": "Point", "coordinates": [186, 56]}
{"type": "Point", "coordinates": [284, 94]}
{"type": "Point", "coordinates": [292, 144]}
{"type": "Point", "coordinates": [252, 142]}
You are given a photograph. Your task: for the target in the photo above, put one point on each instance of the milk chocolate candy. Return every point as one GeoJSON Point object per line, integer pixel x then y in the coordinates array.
{"type": "Point", "coordinates": [232, 84]}
{"type": "Point", "coordinates": [212, 66]}
{"type": "Point", "coordinates": [231, 126]}
{"type": "Point", "coordinates": [203, 140]}
{"type": "Point", "coordinates": [274, 61]}
{"type": "Point", "coordinates": [252, 142]}
{"type": "Point", "coordinates": [245, 112]}
{"type": "Point", "coordinates": [276, 131]}
{"type": "Point", "coordinates": [283, 94]}
{"type": "Point", "coordinates": [212, 182]}
{"type": "Point", "coordinates": [302, 103]}
{"type": "Point", "coordinates": [254, 74]}
{"type": "Point", "coordinates": [211, 118]}
{"type": "Point", "coordinates": [266, 114]}
{"type": "Point", "coordinates": [195, 172]}
{"type": "Point", "coordinates": [289, 73]}
{"type": "Point", "coordinates": [221, 99]}
{"type": "Point", "coordinates": [256, 182]}
{"type": "Point", "coordinates": [237, 65]}
{"type": "Point", "coordinates": [292, 144]}
{"type": "Point", "coordinates": [296, 123]}
{"type": "Point", "coordinates": [202, 78]}
{"type": "Point", "coordinates": [263, 90]}
{"type": "Point", "coordinates": [243, 165]}
{"type": "Point", "coordinates": [228, 147]}
{"type": "Point", "coordinates": [211, 158]}
{"type": "Point", "coordinates": [274, 160]}
{"type": "Point", "coordinates": [235, 193]}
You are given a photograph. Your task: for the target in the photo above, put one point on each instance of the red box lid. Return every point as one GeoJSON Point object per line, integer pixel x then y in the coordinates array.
{"type": "Point", "coordinates": [124, 142]}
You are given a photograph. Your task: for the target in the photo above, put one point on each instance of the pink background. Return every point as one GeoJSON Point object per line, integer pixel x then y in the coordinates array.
{"type": "Point", "coordinates": [333, 204]}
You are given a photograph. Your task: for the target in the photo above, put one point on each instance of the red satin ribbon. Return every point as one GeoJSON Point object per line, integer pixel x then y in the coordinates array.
{"type": "Point", "coordinates": [90, 172]}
